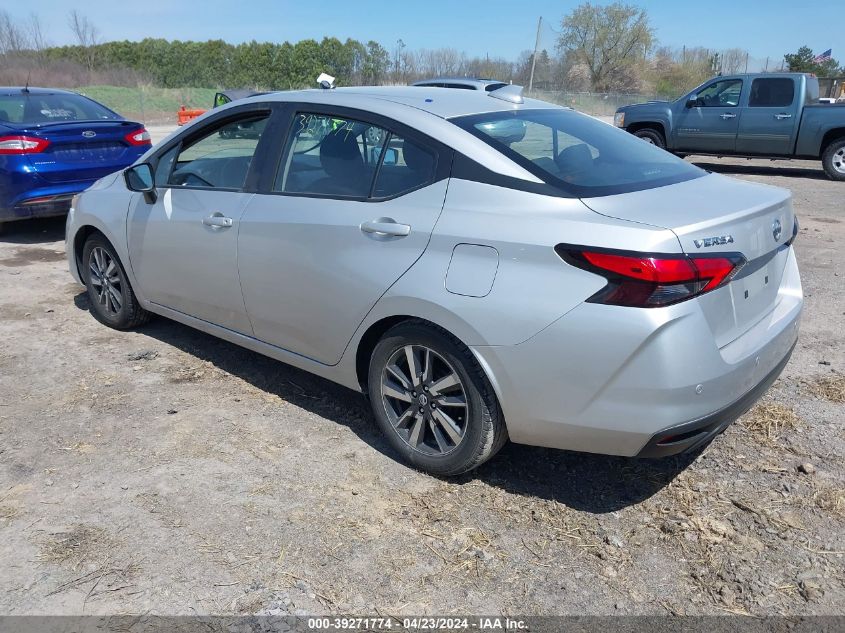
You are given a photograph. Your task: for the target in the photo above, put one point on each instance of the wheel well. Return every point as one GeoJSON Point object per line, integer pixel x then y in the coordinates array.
{"type": "Point", "coordinates": [657, 127]}
{"type": "Point", "coordinates": [368, 344]}
{"type": "Point", "coordinates": [830, 137]}
{"type": "Point", "coordinates": [79, 240]}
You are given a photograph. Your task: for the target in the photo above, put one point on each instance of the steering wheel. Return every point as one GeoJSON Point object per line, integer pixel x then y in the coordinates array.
{"type": "Point", "coordinates": [182, 178]}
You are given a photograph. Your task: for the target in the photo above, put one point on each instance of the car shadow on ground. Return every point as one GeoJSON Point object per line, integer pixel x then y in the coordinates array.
{"type": "Point", "coordinates": [591, 483]}
{"type": "Point", "coordinates": [777, 168]}
{"type": "Point", "coordinates": [38, 231]}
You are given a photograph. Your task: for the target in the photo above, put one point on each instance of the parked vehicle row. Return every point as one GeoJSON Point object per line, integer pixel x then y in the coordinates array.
{"type": "Point", "coordinates": [776, 115]}
{"type": "Point", "coordinates": [480, 265]}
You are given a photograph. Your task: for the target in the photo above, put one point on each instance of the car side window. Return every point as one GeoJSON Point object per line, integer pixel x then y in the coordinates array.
{"type": "Point", "coordinates": [720, 94]}
{"type": "Point", "coordinates": [221, 158]}
{"type": "Point", "coordinates": [406, 165]}
{"type": "Point", "coordinates": [775, 92]}
{"type": "Point", "coordinates": [332, 156]}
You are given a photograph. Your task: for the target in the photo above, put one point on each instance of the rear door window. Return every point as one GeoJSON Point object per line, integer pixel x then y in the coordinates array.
{"type": "Point", "coordinates": [775, 92]}
{"type": "Point", "coordinates": [406, 166]}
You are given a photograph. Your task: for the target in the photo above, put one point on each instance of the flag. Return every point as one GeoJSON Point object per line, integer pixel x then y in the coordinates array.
{"type": "Point", "coordinates": [823, 57]}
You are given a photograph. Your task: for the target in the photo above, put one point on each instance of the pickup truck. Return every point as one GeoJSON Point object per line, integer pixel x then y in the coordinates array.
{"type": "Point", "coordinates": [773, 115]}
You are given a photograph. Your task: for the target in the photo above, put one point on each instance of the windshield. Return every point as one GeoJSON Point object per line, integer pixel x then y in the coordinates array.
{"type": "Point", "coordinates": [51, 108]}
{"type": "Point", "coordinates": [581, 155]}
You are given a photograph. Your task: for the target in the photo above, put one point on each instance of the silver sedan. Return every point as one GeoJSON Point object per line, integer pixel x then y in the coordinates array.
{"type": "Point", "coordinates": [484, 267]}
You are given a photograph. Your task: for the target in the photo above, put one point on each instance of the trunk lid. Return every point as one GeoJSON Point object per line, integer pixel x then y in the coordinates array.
{"type": "Point", "coordinates": [81, 150]}
{"type": "Point", "coordinates": [715, 214]}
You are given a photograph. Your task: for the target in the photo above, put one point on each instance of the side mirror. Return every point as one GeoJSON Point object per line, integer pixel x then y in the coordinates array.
{"type": "Point", "coordinates": [140, 178]}
{"type": "Point", "coordinates": [692, 101]}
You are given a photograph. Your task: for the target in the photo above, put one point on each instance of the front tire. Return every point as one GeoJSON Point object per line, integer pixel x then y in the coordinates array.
{"type": "Point", "coordinates": [432, 400]}
{"type": "Point", "coordinates": [650, 135]}
{"type": "Point", "coordinates": [833, 160]}
{"type": "Point", "coordinates": [110, 296]}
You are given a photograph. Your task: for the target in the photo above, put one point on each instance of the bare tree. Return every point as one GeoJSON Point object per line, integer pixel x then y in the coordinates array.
{"type": "Point", "coordinates": [37, 40]}
{"type": "Point", "coordinates": [87, 36]}
{"type": "Point", "coordinates": [13, 39]}
{"type": "Point", "coordinates": [733, 60]}
{"type": "Point", "coordinates": [609, 40]}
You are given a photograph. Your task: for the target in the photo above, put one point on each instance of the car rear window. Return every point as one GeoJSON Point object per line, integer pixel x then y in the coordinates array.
{"type": "Point", "coordinates": [50, 108]}
{"type": "Point", "coordinates": [579, 154]}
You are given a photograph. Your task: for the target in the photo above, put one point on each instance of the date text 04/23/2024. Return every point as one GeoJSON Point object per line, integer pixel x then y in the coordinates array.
{"type": "Point", "coordinates": [425, 623]}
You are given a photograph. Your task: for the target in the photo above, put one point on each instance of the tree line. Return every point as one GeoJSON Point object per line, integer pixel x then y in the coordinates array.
{"type": "Point", "coordinates": [608, 48]}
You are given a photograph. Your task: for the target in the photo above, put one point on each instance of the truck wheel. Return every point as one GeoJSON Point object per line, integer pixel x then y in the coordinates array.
{"type": "Point", "coordinates": [833, 160]}
{"type": "Point", "coordinates": [650, 135]}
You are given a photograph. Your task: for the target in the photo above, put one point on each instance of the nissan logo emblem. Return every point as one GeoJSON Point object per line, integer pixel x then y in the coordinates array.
{"type": "Point", "coordinates": [776, 230]}
{"type": "Point", "coordinates": [89, 134]}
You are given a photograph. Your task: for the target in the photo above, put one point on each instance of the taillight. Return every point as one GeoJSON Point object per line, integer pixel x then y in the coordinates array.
{"type": "Point", "coordinates": [652, 280]}
{"type": "Point", "coordinates": [138, 137]}
{"type": "Point", "coordinates": [22, 144]}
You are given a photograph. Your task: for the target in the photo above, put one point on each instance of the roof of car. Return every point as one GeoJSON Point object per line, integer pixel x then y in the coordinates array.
{"type": "Point", "coordinates": [467, 81]}
{"type": "Point", "coordinates": [442, 102]}
{"type": "Point", "coordinates": [13, 90]}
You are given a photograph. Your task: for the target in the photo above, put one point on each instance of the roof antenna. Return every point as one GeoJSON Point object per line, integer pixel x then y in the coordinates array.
{"type": "Point", "coordinates": [326, 82]}
{"type": "Point", "coordinates": [26, 87]}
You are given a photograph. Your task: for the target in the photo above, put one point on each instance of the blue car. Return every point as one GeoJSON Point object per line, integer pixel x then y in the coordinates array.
{"type": "Point", "coordinates": [56, 143]}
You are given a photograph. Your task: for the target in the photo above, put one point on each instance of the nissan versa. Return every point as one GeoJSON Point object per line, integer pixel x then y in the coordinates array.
{"type": "Point", "coordinates": [53, 144]}
{"type": "Point", "coordinates": [491, 267]}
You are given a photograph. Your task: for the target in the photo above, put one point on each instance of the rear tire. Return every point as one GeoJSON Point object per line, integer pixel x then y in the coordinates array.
{"type": "Point", "coordinates": [833, 160]}
{"type": "Point", "coordinates": [441, 415]}
{"type": "Point", "coordinates": [650, 135]}
{"type": "Point", "coordinates": [111, 298]}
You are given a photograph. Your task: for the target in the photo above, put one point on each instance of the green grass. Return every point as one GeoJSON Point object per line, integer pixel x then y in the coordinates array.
{"type": "Point", "coordinates": [149, 104]}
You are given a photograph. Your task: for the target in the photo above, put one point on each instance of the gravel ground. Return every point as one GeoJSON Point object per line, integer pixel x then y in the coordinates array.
{"type": "Point", "coordinates": [165, 471]}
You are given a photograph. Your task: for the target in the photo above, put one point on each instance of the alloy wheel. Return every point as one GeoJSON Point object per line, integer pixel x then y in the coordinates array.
{"type": "Point", "coordinates": [425, 400]}
{"type": "Point", "coordinates": [105, 280]}
{"type": "Point", "coordinates": [839, 160]}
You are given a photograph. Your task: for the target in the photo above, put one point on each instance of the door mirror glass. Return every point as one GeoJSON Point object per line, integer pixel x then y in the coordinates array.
{"type": "Point", "coordinates": [692, 100]}
{"type": "Point", "coordinates": [140, 178]}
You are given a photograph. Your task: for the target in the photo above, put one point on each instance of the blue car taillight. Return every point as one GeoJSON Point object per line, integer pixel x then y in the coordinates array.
{"type": "Point", "coordinates": [17, 145]}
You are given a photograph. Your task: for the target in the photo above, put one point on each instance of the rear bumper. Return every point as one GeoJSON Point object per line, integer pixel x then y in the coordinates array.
{"type": "Point", "coordinates": [39, 207]}
{"type": "Point", "coordinates": [618, 381]}
{"type": "Point", "coordinates": [696, 433]}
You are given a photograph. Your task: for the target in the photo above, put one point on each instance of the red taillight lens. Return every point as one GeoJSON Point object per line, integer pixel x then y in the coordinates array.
{"type": "Point", "coordinates": [138, 137]}
{"type": "Point", "coordinates": [651, 280]}
{"type": "Point", "coordinates": [22, 145]}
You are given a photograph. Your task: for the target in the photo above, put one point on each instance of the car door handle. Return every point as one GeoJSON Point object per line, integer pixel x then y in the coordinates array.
{"type": "Point", "coordinates": [782, 116]}
{"type": "Point", "coordinates": [727, 115]}
{"type": "Point", "coordinates": [386, 226]}
{"type": "Point", "coordinates": [217, 220]}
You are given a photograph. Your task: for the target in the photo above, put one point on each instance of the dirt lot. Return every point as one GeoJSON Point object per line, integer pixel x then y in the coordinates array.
{"type": "Point", "coordinates": [163, 470]}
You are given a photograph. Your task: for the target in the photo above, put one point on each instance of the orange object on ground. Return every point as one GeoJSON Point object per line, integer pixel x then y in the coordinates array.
{"type": "Point", "coordinates": [184, 115]}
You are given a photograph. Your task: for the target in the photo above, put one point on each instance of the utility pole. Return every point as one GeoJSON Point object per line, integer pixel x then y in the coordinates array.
{"type": "Point", "coordinates": [534, 58]}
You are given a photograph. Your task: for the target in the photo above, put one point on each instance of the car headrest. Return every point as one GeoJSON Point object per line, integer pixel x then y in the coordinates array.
{"type": "Point", "coordinates": [340, 155]}
{"type": "Point", "coordinates": [416, 158]}
{"type": "Point", "coordinates": [574, 158]}
{"type": "Point", "coordinates": [4, 116]}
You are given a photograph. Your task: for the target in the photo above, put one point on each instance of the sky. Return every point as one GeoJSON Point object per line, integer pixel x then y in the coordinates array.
{"type": "Point", "coordinates": [491, 27]}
